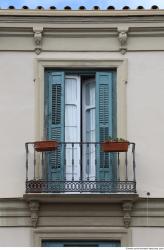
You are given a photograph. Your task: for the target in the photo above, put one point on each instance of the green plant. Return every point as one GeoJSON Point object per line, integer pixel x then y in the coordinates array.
{"type": "Point", "coordinates": [116, 139]}
{"type": "Point", "coordinates": [115, 145]}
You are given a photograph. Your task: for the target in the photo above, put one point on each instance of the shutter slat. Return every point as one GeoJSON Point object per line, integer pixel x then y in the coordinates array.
{"type": "Point", "coordinates": [104, 122]}
{"type": "Point", "coordinates": [56, 124]}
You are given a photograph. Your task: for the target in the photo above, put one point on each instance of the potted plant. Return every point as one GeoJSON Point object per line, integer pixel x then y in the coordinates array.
{"type": "Point", "coordinates": [115, 145]}
{"type": "Point", "coordinates": [42, 146]}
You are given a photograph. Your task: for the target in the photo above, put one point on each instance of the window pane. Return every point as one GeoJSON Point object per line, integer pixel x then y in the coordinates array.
{"type": "Point", "coordinates": [70, 91]}
{"type": "Point", "coordinates": [70, 115]}
{"type": "Point", "coordinates": [90, 93]}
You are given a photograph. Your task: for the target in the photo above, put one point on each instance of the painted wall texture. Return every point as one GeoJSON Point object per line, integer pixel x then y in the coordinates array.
{"type": "Point", "coordinates": [17, 237]}
{"type": "Point", "coordinates": [29, 41]}
{"type": "Point", "coordinates": [144, 237]}
{"type": "Point", "coordinates": [145, 116]}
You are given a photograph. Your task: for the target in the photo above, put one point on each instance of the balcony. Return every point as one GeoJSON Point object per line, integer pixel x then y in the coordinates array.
{"type": "Point", "coordinates": [79, 167]}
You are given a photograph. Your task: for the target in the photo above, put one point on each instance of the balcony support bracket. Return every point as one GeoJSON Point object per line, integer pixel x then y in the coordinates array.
{"type": "Point", "coordinates": [127, 209]}
{"type": "Point", "coordinates": [38, 37]}
{"type": "Point", "coordinates": [34, 209]}
{"type": "Point", "coordinates": [123, 39]}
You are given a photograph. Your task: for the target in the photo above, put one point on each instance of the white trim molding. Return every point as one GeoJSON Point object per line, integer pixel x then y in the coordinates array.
{"type": "Point", "coordinates": [82, 233]}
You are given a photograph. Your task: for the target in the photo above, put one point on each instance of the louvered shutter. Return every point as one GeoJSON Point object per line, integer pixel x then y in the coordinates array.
{"type": "Point", "coordinates": [56, 124]}
{"type": "Point", "coordinates": [105, 124]}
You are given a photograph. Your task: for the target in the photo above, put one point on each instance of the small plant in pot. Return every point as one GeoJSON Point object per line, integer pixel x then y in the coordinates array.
{"type": "Point", "coordinates": [115, 145]}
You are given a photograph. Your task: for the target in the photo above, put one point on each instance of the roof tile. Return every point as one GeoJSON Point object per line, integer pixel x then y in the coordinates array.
{"type": "Point", "coordinates": [96, 7]}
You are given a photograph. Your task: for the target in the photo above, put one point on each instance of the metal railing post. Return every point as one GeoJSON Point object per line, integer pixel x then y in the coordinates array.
{"type": "Point", "coordinates": [73, 162]}
{"type": "Point", "coordinates": [126, 166]}
{"type": "Point", "coordinates": [65, 161]}
{"type": "Point", "coordinates": [26, 147]}
{"type": "Point", "coordinates": [134, 163]}
{"type": "Point", "coordinates": [34, 164]}
{"type": "Point", "coordinates": [118, 166]}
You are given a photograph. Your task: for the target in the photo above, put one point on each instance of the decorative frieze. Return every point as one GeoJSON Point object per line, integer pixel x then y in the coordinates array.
{"type": "Point", "coordinates": [64, 211]}
{"type": "Point", "coordinates": [38, 36]}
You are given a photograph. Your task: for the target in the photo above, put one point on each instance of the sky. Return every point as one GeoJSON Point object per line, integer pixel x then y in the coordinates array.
{"type": "Point", "coordinates": [76, 3]}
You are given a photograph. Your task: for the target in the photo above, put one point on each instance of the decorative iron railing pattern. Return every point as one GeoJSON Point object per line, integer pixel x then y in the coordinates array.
{"type": "Point", "coordinates": [80, 171]}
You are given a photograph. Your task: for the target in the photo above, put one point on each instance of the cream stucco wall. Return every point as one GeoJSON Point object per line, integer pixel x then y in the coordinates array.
{"type": "Point", "coordinates": [17, 119]}
{"type": "Point", "coordinates": [146, 118]}
{"type": "Point", "coordinates": [147, 237]}
{"type": "Point", "coordinates": [145, 115]}
{"type": "Point", "coordinates": [16, 237]}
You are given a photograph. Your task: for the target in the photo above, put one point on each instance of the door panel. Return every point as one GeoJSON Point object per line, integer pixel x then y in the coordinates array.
{"type": "Point", "coordinates": [72, 126]}
{"type": "Point", "coordinates": [88, 133]}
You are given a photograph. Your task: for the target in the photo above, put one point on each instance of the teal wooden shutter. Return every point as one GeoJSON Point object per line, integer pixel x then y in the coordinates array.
{"type": "Point", "coordinates": [56, 124]}
{"type": "Point", "coordinates": [105, 123]}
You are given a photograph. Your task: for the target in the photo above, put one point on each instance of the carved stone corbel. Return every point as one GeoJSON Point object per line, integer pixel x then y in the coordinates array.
{"type": "Point", "coordinates": [34, 209]}
{"type": "Point", "coordinates": [127, 209]}
{"type": "Point", "coordinates": [38, 37]}
{"type": "Point", "coordinates": [123, 38]}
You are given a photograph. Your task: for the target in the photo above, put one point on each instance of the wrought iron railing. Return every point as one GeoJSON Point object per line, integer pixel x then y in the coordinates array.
{"type": "Point", "coordinates": [80, 167]}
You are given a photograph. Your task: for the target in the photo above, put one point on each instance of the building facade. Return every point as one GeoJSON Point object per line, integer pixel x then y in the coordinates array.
{"type": "Point", "coordinates": [78, 78]}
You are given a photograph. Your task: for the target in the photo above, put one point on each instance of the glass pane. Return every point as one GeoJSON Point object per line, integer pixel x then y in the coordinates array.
{"type": "Point", "coordinates": [71, 115]}
{"type": "Point", "coordinates": [71, 134]}
{"type": "Point", "coordinates": [87, 96]}
{"type": "Point", "coordinates": [70, 91]}
{"type": "Point", "coordinates": [72, 127]}
{"type": "Point", "coordinates": [90, 125]}
{"type": "Point", "coordinates": [89, 118]}
{"type": "Point", "coordinates": [92, 119]}
{"type": "Point", "coordinates": [90, 93]}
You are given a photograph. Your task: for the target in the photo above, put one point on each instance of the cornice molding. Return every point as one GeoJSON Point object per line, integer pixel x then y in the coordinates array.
{"type": "Point", "coordinates": [72, 30]}
{"type": "Point", "coordinates": [114, 13]}
{"type": "Point", "coordinates": [58, 16]}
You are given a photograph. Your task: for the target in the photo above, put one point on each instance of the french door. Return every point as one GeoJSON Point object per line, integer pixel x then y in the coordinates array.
{"type": "Point", "coordinates": [80, 108]}
{"type": "Point", "coordinates": [80, 126]}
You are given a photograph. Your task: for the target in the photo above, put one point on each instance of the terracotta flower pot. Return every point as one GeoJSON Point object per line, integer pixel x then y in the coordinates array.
{"type": "Point", "coordinates": [114, 146]}
{"type": "Point", "coordinates": [41, 146]}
